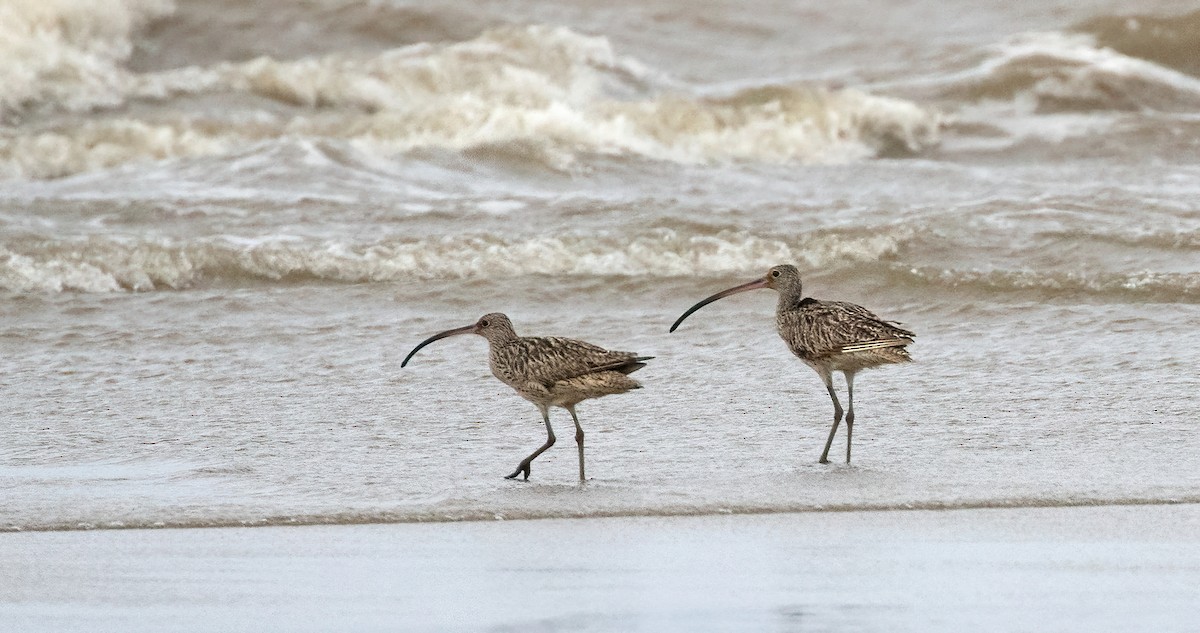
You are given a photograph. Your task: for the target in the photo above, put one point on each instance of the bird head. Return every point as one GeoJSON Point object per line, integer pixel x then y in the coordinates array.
{"type": "Point", "coordinates": [781, 277]}
{"type": "Point", "coordinates": [494, 327]}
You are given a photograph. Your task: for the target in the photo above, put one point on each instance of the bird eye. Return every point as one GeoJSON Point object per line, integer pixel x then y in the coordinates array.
{"type": "Point", "coordinates": [774, 273]}
{"type": "Point", "coordinates": [484, 323]}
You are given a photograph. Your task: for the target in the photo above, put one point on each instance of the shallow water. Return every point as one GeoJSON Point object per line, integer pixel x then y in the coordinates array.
{"type": "Point", "coordinates": [221, 229]}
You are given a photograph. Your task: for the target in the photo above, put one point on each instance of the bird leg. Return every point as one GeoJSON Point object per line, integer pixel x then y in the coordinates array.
{"type": "Point", "coordinates": [578, 439]}
{"type": "Point", "coordinates": [837, 417]}
{"type": "Point", "coordinates": [849, 411]}
{"type": "Point", "coordinates": [524, 465]}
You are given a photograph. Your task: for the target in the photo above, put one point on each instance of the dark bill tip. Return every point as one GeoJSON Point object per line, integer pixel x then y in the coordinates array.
{"type": "Point", "coordinates": [436, 337]}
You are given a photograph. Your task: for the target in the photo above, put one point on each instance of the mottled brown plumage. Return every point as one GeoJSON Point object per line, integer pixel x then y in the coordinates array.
{"type": "Point", "coordinates": [828, 336]}
{"type": "Point", "coordinates": [549, 371]}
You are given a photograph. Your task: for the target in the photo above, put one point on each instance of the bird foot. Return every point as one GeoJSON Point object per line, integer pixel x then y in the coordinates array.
{"type": "Point", "coordinates": [518, 471]}
{"type": "Point", "coordinates": [819, 461]}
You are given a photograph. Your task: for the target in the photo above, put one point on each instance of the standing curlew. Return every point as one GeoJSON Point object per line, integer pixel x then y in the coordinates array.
{"type": "Point", "coordinates": [549, 371]}
{"type": "Point", "coordinates": [828, 336]}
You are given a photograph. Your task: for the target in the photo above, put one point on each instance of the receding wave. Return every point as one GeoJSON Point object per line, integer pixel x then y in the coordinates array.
{"type": "Point", "coordinates": [563, 92]}
{"type": "Point", "coordinates": [1139, 286]}
{"type": "Point", "coordinates": [501, 513]}
{"type": "Point", "coordinates": [1157, 240]}
{"type": "Point", "coordinates": [111, 264]}
{"type": "Point", "coordinates": [114, 264]}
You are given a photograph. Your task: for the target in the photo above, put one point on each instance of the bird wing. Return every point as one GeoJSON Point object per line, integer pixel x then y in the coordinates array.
{"type": "Point", "coordinates": [550, 359]}
{"type": "Point", "coordinates": [838, 327]}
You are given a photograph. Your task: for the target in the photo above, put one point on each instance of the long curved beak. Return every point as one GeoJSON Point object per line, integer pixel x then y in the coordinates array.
{"type": "Point", "coordinates": [466, 329]}
{"type": "Point", "coordinates": [753, 285]}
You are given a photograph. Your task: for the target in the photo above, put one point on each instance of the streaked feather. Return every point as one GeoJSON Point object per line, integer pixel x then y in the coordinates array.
{"type": "Point", "coordinates": [876, 344]}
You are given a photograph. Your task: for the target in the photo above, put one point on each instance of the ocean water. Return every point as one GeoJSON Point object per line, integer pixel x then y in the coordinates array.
{"type": "Point", "coordinates": [223, 225]}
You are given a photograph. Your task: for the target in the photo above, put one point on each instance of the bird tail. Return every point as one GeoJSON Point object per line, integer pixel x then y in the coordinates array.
{"type": "Point", "coordinates": [626, 366]}
{"type": "Point", "coordinates": [864, 346]}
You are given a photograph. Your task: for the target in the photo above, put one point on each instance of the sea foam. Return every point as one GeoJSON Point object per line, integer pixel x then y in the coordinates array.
{"type": "Point", "coordinates": [551, 90]}
{"type": "Point", "coordinates": [144, 264]}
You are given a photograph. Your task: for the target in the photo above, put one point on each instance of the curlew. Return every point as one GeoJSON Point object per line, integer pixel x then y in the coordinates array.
{"type": "Point", "coordinates": [549, 371]}
{"type": "Point", "coordinates": [828, 336]}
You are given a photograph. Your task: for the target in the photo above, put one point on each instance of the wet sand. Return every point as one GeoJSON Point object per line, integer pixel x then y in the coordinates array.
{"type": "Point", "coordinates": [1126, 568]}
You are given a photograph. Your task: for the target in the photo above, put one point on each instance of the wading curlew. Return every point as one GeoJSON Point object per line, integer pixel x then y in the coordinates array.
{"type": "Point", "coordinates": [549, 371]}
{"type": "Point", "coordinates": [828, 336]}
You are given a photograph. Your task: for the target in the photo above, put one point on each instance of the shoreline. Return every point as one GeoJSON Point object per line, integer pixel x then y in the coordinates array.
{"type": "Point", "coordinates": [485, 516]}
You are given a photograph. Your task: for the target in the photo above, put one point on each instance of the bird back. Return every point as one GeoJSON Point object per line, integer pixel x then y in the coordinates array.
{"type": "Point", "coordinates": [815, 328]}
{"type": "Point", "coordinates": [550, 359]}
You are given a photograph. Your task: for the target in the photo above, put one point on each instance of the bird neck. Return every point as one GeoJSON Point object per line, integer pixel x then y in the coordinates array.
{"type": "Point", "coordinates": [790, 297]}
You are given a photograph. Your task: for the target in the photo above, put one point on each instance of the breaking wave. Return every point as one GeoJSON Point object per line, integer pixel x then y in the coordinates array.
{"type": "Point", "coordinates": [562, 92]}
{"type": "Point", "coordinates": [1051, 72]}
{"type": "Point", "coordinates": [1171, 42]}
{"type": "Point", "coordinates": [69, 54]}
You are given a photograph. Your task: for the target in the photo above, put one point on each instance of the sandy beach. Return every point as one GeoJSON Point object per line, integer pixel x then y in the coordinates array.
{"type": "Point", "coordinates": [1127, 568]}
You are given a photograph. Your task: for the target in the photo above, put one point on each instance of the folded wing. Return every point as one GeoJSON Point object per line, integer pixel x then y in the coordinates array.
{"type": "Point", "coordinates": [549, 359]}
